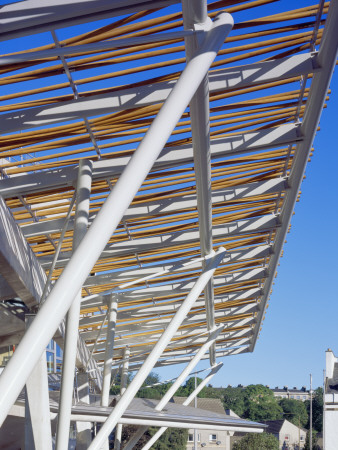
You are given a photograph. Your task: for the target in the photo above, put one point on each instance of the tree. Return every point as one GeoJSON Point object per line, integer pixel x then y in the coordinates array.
{"type": "Point", "coordinates": [155, 391]}
{"type": "Point", "coordinates": [295, 411]}
{"type": "Point", "coordinates": [314, 441]}
{"type": "Point", "coordinates": [261, 441]}
{"type": "Point", "coordinates": [189, 387]}
{"type": "Point", "coordinates": [260, 404]}
{"type": "Point", "coordinates": [172, 438]}
{"type": "Point", "coordinates": [233, 398]}
{"type": "Point", "coordinates": [317, 410]}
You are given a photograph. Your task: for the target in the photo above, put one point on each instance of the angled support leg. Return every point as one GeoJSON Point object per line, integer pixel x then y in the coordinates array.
{"type": "Point", "coordinates": [124, 377]}
{"type": "Point", "coordinates": [83, 189]}
{"type": "Point", "coordinates": [185, 373]}
{"type": "Point", "coordinates": [193, 395]}
{"type": "Point", "coordinates": [158, 349]}
{"type": "Point", "coordinates": [38, 434]}
{"type": "Point", "coordinates": [74, 275]}
{"type": "Point", "coordinates": [108, 356]}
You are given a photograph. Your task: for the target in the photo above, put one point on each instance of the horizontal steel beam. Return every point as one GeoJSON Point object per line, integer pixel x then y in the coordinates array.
{"type": "Point", "coordinates": [260, 251]}
{"type": "Point", "coordinates": [219, 80]}
{"type": "Point", "coordinates": [168, 205]}
{"type": "Point", "coordinates": [166, 241]}
{"type": "Point", "coordinates": [169, 157]}
{"type": "Point", "coordinates": [19, 19]}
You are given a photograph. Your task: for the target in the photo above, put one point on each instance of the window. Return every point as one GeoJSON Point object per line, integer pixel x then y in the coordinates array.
{"type": "Point", "coordinates": [212, 437]}
{"type": "Point", "coordinates": [191, 437]}
{"type": "Point", "coordinates": [292, 396]}
{"type": "Point", "coordinates": [298, 397]}
{"type": "Point", "coordinates": [304, 397]}
{"type": "Point", "coordinates": [302, 438]}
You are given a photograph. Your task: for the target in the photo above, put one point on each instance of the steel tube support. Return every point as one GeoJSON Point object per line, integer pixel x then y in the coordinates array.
{"type": "Point", "coordinates": [108, 356]}
{"type": "Point", "coordinates": [58, 302]}
{"type": "Point", "coordinates": [158, 349]}
{"type": "Point", "coordinates": [124, 377]}
{"type": "Point", "coordinates": [195, 13]}
{"type": "Point", "coordinates": [83, 189]}
{"type": "Point", "coordinates": [180, 379]}
{"type": "Point", "coordinates": [186, 402]}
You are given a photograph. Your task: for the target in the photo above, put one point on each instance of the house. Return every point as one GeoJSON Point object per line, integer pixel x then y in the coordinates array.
{"type": "Point", "coordinates": [294, 393]}
{"type": "Point", "coordinates": [331, 402]}
{"type": "Point", "coordinates": [289, 435]}
{"type": "Point", "coordinates": [209, 439]}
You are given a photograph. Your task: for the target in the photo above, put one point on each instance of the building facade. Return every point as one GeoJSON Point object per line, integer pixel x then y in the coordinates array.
{"type": "Point", "coordinates": [331, 402]}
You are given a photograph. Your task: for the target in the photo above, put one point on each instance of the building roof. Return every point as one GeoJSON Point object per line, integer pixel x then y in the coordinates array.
{"type": "Point", "coordinates": [207, 404]}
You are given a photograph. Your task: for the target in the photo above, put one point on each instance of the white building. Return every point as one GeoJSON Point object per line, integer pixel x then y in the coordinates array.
{"type": "Point", "coordinates": [331, 402]}
{"type": "Point", "coordinates": [209, 439]}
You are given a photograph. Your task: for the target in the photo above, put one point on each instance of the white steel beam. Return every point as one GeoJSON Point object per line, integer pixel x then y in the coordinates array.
{"type": "Point", "coordinates": [72, 278]}
{"type": "Point", "coordinates": [195, 14]}
{"type": "Point", "coordinates": [124, 377]}
{"type": "Point", "coordinates": [18, 264]}
{"type": "Point", "coordinates": [157, 350]}
{"type": "Point", "coordinates": [169, 157]}
{"type": "Point", "coordinates": [108, 357]}
{"type": "Point", "coordinates": [37, 16]}
{"type": "Point", "coordinates": [83, 190]}
{"type": "Point", "coordinates": [37, 405]}
{"type": "Point", "coordinates": [167, 206]}
{"type": "Point", "coordinates": [267, 222]}
{"type": "Point", "coordinates": [124, 276]}
{"type": "Point", "coordinates": [326, 60]}
{"type": "Point", "coordinates": [186, 402]}
{"type": "Point", "coordinates": [219, 80]}
{"type": "Point", "coordinates": [177, 383]}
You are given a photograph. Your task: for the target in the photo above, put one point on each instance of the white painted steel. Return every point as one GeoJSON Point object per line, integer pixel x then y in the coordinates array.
{"type": "Point", "coordinates": [72, 278]}
{"type": "Point", "coordinates": [177, 383]}
{"type": "Point", "coordinates": [171, 156]}
{"type": "Point", "coordinates": [195, 13]}
{"type": "Point", "coordinates": [83, 189]}
{"type": "Point", "coordinates": [158, 349]}
{"type": "Point", "coordinates": [37, 405]}
{"type": "Point", "coordinates": [97, 46]}
{"type": "Point", "coordinates": [223, 79]}
{"type": "Point", "coordinates": [169, 424]}
{"type": "Point", "coordinates": [124, 377]}
{"type": "Point", "coordinates": [326, 59]}
{"type": "Point", "coordinates": [169, 205]}
{"type": "Point", "coordinates": [186, 402]}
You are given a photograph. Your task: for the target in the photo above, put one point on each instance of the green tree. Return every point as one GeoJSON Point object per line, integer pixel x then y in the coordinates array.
{"type": "Point", "coordinates": [233, 398]}
{"type": "Point", "coordinates": [317, 410]}
{"type": "Point", "coordinates": [156, 390]}
{"type": "Point", "coordinates": [172, 438]}
{"type": "Point", "coordinates": [262, 441]}
{"type": "Point", "coordinates": [315, 446]}
{"type": "Point", "coordinates": [189, 387]}
{"type": "Point", "coordinates": [260, 404]}
{"type": "Point", "coordinates": [294, 411]}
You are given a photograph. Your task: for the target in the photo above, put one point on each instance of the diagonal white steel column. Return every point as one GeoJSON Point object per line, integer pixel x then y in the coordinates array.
{"type": "Point", "coordinates": [124, 376]}
{"type": "Point", "coordinates": [83, 189]}
{"type": "Point", "coordinates": [58, 302]}
{"type": "Point", "coordinates": [195, 12]}
{"type": "Point", "coordinates": [180, 379]}
{"type": "Point", "coordinates": [108, 355]}
{"type": "Point", "coordinates": [186, 402]}
{"type": "Point", "coordinates": [38, 433]}
{"type": "Point", "coordinates": [158, 349]}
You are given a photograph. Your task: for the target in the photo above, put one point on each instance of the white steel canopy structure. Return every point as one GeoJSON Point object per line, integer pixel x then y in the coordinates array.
{"type": "Point", "coordinates": [151, 157]}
